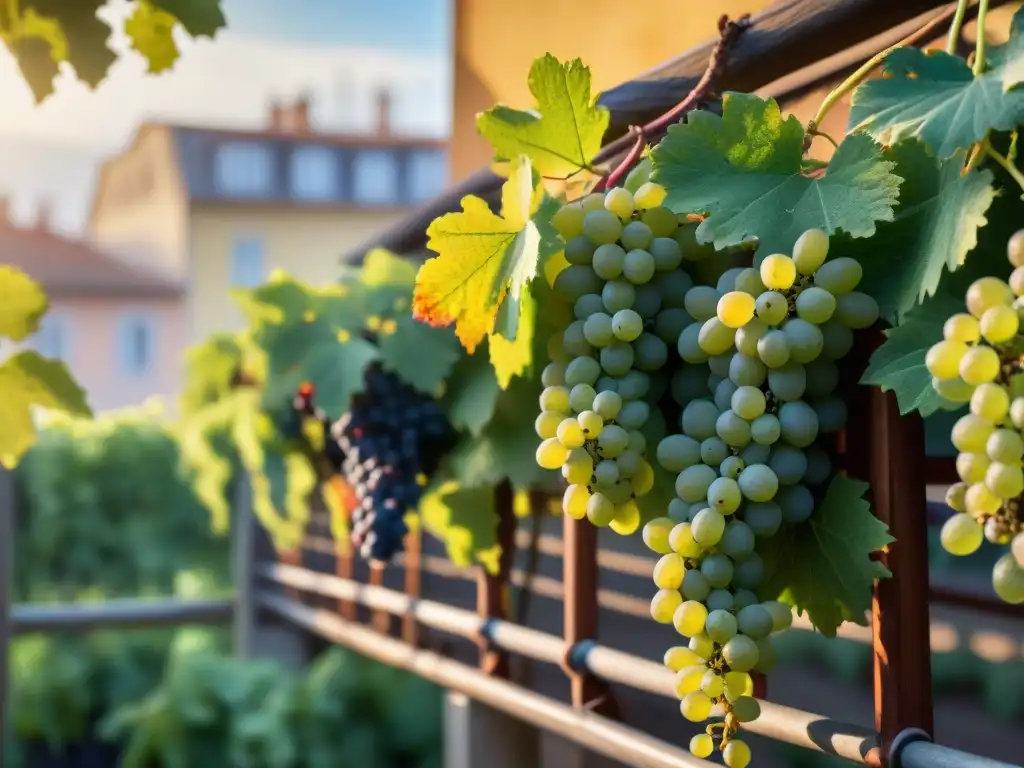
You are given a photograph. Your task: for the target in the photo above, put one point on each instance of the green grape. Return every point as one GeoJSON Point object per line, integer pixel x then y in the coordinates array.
{"type": "Point", "coordinates": [724, 390]}
{"type": "Point", "coordinates": [804, 340]}
{"type": "Point", "coordinates": [664, 604]}
{"type": "Point", "coordinates": [578, 467]}
{"type": "Point", "coordinates": [702, 745]}
{"type": "Point", "coordinates": [750, 573]}
{"type": "Point", "coordinates": [551, 454]}
{"type": "Point", "coordinates": [673, 287]}
{"type": "Point", "coordinates": [617, 358]}
{"type": "Point", "coordinates": [735, 309]}
{"type": "Point", "coordinates": [582, 370]}
{"type": "Point", "coordinates": [999, 324]}
{"type": "Point", "coordinates": [677, 452]}
{"type": "Point", "coordinates": [574, 281]}
{"type": "Point", "coordinates": [618, 294]}
{"type": "Point", "coordinates": [739, 652]}
{"type": "Point", "coordinates": [668, 572]}
{"type": "Point", "coordinates": [702, 645]}
{"type": "Point", "coordinates": [608, 260]}
{"type": "Point", "coordinates": [1004, 480]}
{"type": "Point", "coordinates": [771, 307]}
{"type": "Point", "coordinates": [727, 280]}
{"type": "Point", "coordinates": [748, 336]}
{"type": "Point", "coordinates": [638, 267]}
{"type": "Point", "coordinates": [575, 500]}
{"type": "Point", "coordinates": [708, 527]}
{"type": "Point", "coordinates": [546, 424]}
{"type": "Point", "coordinates": [613, 440]}
{"type": "Point", "coordinates": [767, 656]}
{"type": "Point", "coordinates": [626, 325]}
{"type": "Point", "coordinates": [765, 429]}
{"type": "Point", "coordinates": [961, 535]}
{"type": "Point", "coordinates": [601, 510]}
{"type": "Point", "coordinates": [1017, 412]}
{"type": "Point", "coordinates": [656, 533]}
{"type": "Point", "coordinates": [629, 461]}
{"type": "Point", "coordinates": [634, 385]}
{"type": "Point", "coordinates": [755, 454]}
{"type": "Point", "coordinates": [669, 323]}
{"type": "Point", "coordinates": [788, 382]}
{"type": "Point", "coordinates": [962, 327]}
{"type": "Point", "coordinates": [821, 377]}
{"type": "Point", "coordinates": [839, 276]}
{"type": "Point", "coordinates": [553, 375]}
{"type": "Point", "coordinates": [738, 684]}
{"type": "Point", "coordinates": [733, 429]}
{"type": "Point", "coordinates": [689, 678]}
{"type": "Point", "coordinates": [692, 250]}
{"type": "Point", "coordinates": [681, 539]}
{"type": "Point", "coordinates": [606, 472]}
{"type": "Point", "coordinates": [736, 754]}
{"type": "Point", "coordinates": [724, 495]}
{"type": "Point", "coordinates": [554, 399]}
{"type": "Point", "coordinates": [1016, 281]}
{"type": "Point", "coordinates": [985, 293]}
{"type": "Point", "coordinates": [815, 305]}
{"type": "Point", "coordinates": [695, 707]}
{"type": "Point", "coordinates": [649, 195]}
{"type": "Point", "coordinates": [701, 301]}
{"type": "Point", "coordinates": [971, 467]}
{"type": "Point", "coordinates": [648, 301]}
{"type": "Point", "coordinates": [579, 250]}
{"type": "Point", "coordinates": [749, 281]}
{"type": "Point", "coordinates": [1015, 248]}
{"type": "Point", "coordinates": [754, 621]}
{"type": "Point", "coordinates": [689, 618]}
{"type": "Point", "coordinates": [568, 220]}
{"type": "Point", "coordinates": [857, 310]}
{"type": "Point", "coordinates": [661, 220]}
{"type": "Point", "coordinates": [763, 518]}
{"type": "Point", "coordinates": [1017, 549]}
{"type": "Point", "coordinates": [574, 342]}
{"type": "Point", "coordinates": [719, 364]}
{"type": "Point", "coordinates": [809, 251]}
{"type": "Point", "coordinates": [607, 405]}
{"type": "Point", "coordinates": [796, 502]}
{"type": "Point", "coordinates": [633, 414]}
{"type": "Point", "coordinates": [955, 390]}
{"type": "Point", "coordinates": [602, 226]}
{"type": "Point", "coordinates": [593, 425]}
{"type": "Point", "coordinates": [970, 433]}
{"type": "Point", "coordinates": [570, 435]}
{"type": "Point", "coordinates": [1008, 579]}
{"type": "Point", "coordinates": [712, 684]}
{"type": "Point", "coordinates": [773, 349]}
{"type": "Point", "coordinates": [746, 709]}
{"type": "Point", "coordinates": [788, 463]}
{"type": "Point", "coordinates": [688, 345]}
{"type": "Point", "coordinates": [721, 627]}
{"type": "Point", "coordinates": [747, 371]}
{"type": "Point", "coordinates": [837, 340]}
{"type": "Point", "coordinates": [695, 587]}
{"type": "Point", "coordinates": [679, 657]}
{"type": "Point", "coordinates": [556, 349]}
{"type": "Point", "coordinates": [666, 253]}
{"type": "Point", "coordinates": [1005, 445]}
{"type": "Point", "coordinates": [738, 540]}
{"type": "Point", "coordinates": [782, 614]}
{"type": "Point", "coordinates": [715, 337]}
{"type": "Point", "coordinates": [758, 482]}
{"type": "Point", "coordinates": [693, 482]}
{"type": "Point", "coordinates": [799, 423]}
{"type": "Point", "coordinates": [713, 451]}
{"type": "Point", "coordinates": [778, 272]}
{"type": "Point", "coordinates": [979, 365]}
{"type": "Point", "coordinates": [698, 419]}
{"type": "Point", "coordinates": [640, 174]}
{"type": "Point", "coordinates": [636, 236]}
{"type": "Point", "coordinates": [719, 600]}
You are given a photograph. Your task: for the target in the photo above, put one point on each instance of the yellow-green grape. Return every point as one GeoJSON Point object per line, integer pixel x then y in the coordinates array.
{"type": "Point", "coordinates": [553, 375]}
{"type": "Point", "coordinates": [600, 510]}
{"type": "Point", "coordinates": [1016, 281]}
{"type": "Point", "coordinates": [961, 535]}
{"type": "Point", "coordinates": [689, 679]}
{"type": "Point", "coordinates": [970, 433]}
{"type": "Point", "coordinates": [735, 309]}
{"type": "Point", "coordinates": [592, 202]}
{"type": "Point", "coordinates": [554, 399]}
{"type": "Point", "coordinates": [640, 174]}
{"type": "Point", "coordinates": [578, 467]}
{"type": "Point", "coordinates": [1008, 579]}
{"type": "Point", "coordinates": [990, 402]}
{"type": "Point", "coordinates": [626, 519]}
{"type": "Point", "coordinates": [985, 293]}
{"type": "Point", "coordinates": [1004, 480]}
{"type": "Point", "coordinates": [702, 745]}
{"type": "Point", "coordinates": [955, 497]}
{"type": "Point", "coordinates": [1005, 445]}
{"type": "Point", "coordinates": [575, 500]}
{"type": "Point", "coordinates": [999, 324]}
{"type": "Point", "coordinates": [943, 359]}
{"type": "Point", "coordinates": [716, 337]}
{"type": "Point", "coordinates": [668, 572]}
{"type": "Point", "coordinates": [962, 327]}
{"type": "Point", "coordinates": [570, 434]}
{"type": "Point", "coordinates": [702, 645]}
{"type": "Point", "coordinates": [689, 617]}
{"type": "Point", "coordinates": [649, 195]}
{"type": "Point", "coordinates": [954, 390]}
{"type": "Point", "coordinates": [568, 220]}
{"type": "Point", "coordinates": [681, 541]}
{"type": "Point", "coordinates": [620, 202]}
{"type": "Point", "coordinates": [679, 656]}
{"type": "Point", "coordinates": [971, 467]}
{"type": "Point", "coordinates": [551, 454]}
{"type": "Point", "coordinates": [664, 605]}
{"type": "Point", "coordinates": [656, 534]}
{"type": "Point", "coordinates": [749, 281]}
{"type": "Point", "coordinates": [738, 684]}
{"type": "Point", "coordinates": [696, 707]}
{"type": "Point", "coordinates": [980, 501]}
{"type": "Point", "coordinates": [772, 308]}
{"type": "Point", "coordinates": [591, 424]}
{"type": "Point", "coordinates": [746, 709]}
{"type": "Point", "coordinates": [778, 272]}
{"type": "Point", "coordinates": [839, 276]}
{"type": "Point", "coordinates": [809, 251]}
{"type": "Point", "coordinates": [546, 424]}
{"type": "Point", "coordinates": [736, 754]}
{"type": "Point", "coordinates": [979, 365]}
{"type": "Point", "coordinates": [643, 481]}
{"type": "Point", "coordinates": [712, 684]}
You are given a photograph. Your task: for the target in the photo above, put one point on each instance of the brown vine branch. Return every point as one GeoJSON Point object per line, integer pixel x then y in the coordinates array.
{"type": "Point", "coordinates": [728, 33]}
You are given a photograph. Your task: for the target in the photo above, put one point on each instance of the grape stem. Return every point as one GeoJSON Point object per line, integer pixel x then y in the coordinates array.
{"type": "Point", "coordinates": [866, 68]}
{"type": "Point", "coordinates": [979, 46]}
{"type": "Point", "coordinates": [1004, 161]}
{"type": "Point", "coordinates": [953, 40]}
{"type": "Point", "coordinates": [728, 33]}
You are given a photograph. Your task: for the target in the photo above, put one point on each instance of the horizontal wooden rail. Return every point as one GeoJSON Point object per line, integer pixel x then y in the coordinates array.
{"type": "Point", "coordinates": [124, 614]}
{"type": "Point", "coordinates": [596, 733]}
{"type": "Point", "coordinates": [792, 726]}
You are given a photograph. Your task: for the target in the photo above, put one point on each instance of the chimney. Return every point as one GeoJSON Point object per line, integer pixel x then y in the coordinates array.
{"type": "Point", "coordinates": [300, 115]}
{"type": "Point", "coordinates": [5, 212]}
{"type": "Point", "coordinates": [276, 116]}
{"type": "Point", "coordinates": [43, 215]}
{"type": "Point", "coordinates": [383, 124]}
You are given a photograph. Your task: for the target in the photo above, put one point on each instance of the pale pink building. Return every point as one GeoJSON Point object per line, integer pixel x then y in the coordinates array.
{"type": "Point", "coordinates": [120, 328]}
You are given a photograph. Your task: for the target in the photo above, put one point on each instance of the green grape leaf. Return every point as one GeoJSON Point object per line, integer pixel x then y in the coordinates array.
{"type": "Point", "coordinates": [420, 354]}
{"type": "Point", "coordinates": [385, 281]}
{"type": "Point", "coordinates": [744, 169]}
{"type": "Point", "coordinates": [22, 304]}
{"type": "Point", "coordinates": [935, 97]}
{"type": "Point", "coordinates": [563, 132]}
{"type": "Point", "coordinates": [28, 380]}
{"type": "Point", "coordinates": [940, 213]}
{"type": "Point", "coordinates": [482, 257]}
{"type": "Point", "coordinates": [150, 30]}
{"type": "Point", "coordinates": [85, 35]}
{"type": "Point", "coordinates": [200, 18]}
{"type": "Point", "coordinates": [823, 566]}
{"type": "Point", "coordinates": [472, 393]}
{"type": "Point", "coordinates": [210, 371]}
{"type": "Point", "coordinates": [284, 299]}
{"type": "Point", "coordinates": [466, 521]}
{"type": "Point", "coordinates": [37, 62]}
{"type": "Point", "coordinates": [211, 468]}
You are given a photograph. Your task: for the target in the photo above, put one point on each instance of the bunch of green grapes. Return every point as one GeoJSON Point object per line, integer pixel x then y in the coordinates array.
{"type": "Point", "coordinates": [625, 281]}
{"type": "Point", "coordinates": [757, 397]}
{"type": "Point", "coordinates": [978, 362]}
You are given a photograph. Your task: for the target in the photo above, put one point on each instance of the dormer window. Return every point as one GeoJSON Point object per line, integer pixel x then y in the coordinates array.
{"type": "Point", "coordinates": [243, 168]}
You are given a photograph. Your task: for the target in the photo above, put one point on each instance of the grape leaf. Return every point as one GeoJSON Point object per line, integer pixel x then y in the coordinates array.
{"type": "Point", "coordinates": [200, 18]}
{"type": "Point", "coordinates": [744, 169]}
{"type": "Point", "coordinates": [936, 97]}
{"type": "Point", "coordinates": [85, 35]}
{"type": "Point", "coordinates": [940, 212]}
{"type": "Point", "coordinates": [28, 380]}
{"type": "Point", "coordinates": [823, 566]}
{"type": "Point", "coordinates": [285, 299]}
{"type": "Point", "coordinates": [210, 371]}
{"type": "Point", "coordinates": [22, 304]}
{"type": "Point", "coordinates": [211, 469]}
{"type": "Point", "coordinates": [563, 133]}
{"type": "Point", "coordinates": [513, 356]}
{"type": "Point", "coordinates": [150, 30]}
{"type": "Point", "coordinates": [483, 256]}
{"type": "Point", "coordinates": [472, 393]}
{"type": "Point", "coordinates": [420, 354]}
{"type": "Point", "coordinates": [465, 520]}
{"type": "Point", "coordinates": [39, 65]}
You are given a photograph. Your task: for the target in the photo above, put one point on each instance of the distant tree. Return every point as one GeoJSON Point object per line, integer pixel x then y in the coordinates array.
{"type": "Point", "coordinates": [43, 34]}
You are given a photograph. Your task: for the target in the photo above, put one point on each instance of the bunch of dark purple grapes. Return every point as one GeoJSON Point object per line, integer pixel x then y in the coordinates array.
{"type": "Point", "coordinates": [386, 446]}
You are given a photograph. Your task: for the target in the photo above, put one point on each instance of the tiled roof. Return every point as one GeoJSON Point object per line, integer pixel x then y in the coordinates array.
{"type": "Point", "coordinates": [75, 268]}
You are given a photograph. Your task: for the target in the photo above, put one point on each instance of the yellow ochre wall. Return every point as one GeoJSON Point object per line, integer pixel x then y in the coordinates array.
{"type": "Point", "coordinates": [496, 41]}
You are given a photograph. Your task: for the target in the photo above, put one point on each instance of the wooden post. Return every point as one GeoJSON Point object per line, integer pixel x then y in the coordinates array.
{"type": "Point", "coordinates": [492, 594]}
{"type": "Point", "coordinates": [477, 735]}
{"type": "Point", "coordinates": [380, 619]}
{"type": "Point", "coordinates": [413, 582]}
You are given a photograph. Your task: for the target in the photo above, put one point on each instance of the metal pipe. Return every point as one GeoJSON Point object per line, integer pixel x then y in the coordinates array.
{"type": "Point", "coordinates": [913, 748]}
{"type": "Point", "coordinates": [128, 614]}
{"type": "Point", "coordinates": [596, 733]}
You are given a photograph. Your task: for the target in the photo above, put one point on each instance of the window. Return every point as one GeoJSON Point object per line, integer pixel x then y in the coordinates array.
{"type": "Point", "coordinates": [314, 173]}
{"type": "Point", "coordinates": [428, 172]}
{"type": "Point", "coordinates": [51, 340]}
{"type": "Point", "coordinates": [135, 344]}
{"type": "Point", "coordinates": [244, 168]}
{"type": "Point", "coordinates": [376, 177]}
{"type": "Point", "coordinates": [247, 262]}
